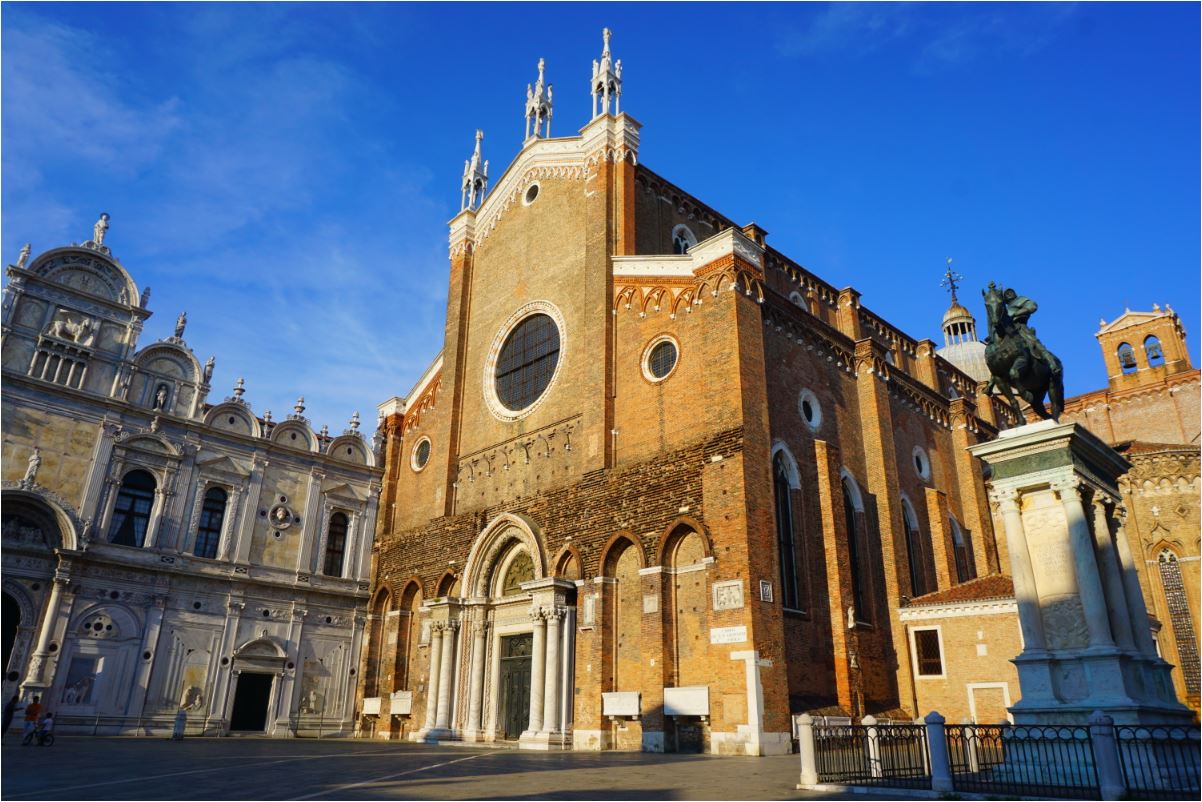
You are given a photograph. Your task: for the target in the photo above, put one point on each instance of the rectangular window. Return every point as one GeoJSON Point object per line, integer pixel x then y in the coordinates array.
{"type": "Point", "coordinates": [928, 652]}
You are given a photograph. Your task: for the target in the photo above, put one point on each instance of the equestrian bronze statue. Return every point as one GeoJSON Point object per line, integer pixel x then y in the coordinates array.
{"type": "Point", "coordinates": [1017, 360]}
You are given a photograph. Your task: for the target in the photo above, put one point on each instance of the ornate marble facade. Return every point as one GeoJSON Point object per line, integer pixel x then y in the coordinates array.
{"type": "Point", "coordinates": [162, 552]}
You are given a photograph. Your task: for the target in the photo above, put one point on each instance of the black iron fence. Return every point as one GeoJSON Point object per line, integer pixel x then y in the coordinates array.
{"type": "Point", "coordinates": [1159, 762]}
{"type": "Point", "coordinates": [1098, 760]}
{"type": "Point", "coordinates": [893, 755]}
{"type": "Point", "coordinates": [1047, 761]}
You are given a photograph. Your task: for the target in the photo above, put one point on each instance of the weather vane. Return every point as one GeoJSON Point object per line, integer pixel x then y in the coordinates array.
{"type": "Point", "coordinates": [951, 280]}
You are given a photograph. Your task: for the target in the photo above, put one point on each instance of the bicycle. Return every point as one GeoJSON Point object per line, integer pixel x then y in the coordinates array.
{"type": "Point", "coordinates": [43, 738]}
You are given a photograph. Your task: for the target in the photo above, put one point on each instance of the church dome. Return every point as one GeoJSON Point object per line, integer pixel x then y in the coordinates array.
{"type": "Point", "coordinates": [962, 348]}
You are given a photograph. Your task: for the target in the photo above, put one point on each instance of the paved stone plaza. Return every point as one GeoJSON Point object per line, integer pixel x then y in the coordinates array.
{"type": "Point", "coordinates": [258, 768]}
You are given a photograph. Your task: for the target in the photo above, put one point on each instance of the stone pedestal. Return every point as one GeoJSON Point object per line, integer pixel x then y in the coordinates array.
{"type": "Point", "coordinates": [1086, 639]}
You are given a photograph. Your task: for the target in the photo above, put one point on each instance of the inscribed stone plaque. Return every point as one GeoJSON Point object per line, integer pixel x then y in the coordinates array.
{"type": "Point", "coordinates": [425, 635]}
{"type": "Point", "coordinates": [728, 595]}
{"type": "Point", "coordinates": [650, 603]}
{"type": "Point", "coordinates": [728, 634]}
{"type": "Point", "coordinates": [590, 611]}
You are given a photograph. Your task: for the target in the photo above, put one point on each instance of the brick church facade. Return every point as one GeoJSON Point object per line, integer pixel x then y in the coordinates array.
{"type": "Point", "coordinates": [663, 486]}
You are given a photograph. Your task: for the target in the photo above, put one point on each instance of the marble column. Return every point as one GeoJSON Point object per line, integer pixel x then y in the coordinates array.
{"type": "Point", "coordinates": [494, 685]}
{"type": "Point", "coordinates": [435, 674]}
{"type": "Point", "coordinates": [1112, 577]}
{"type": "Point", "coordinates": [1141, 628]}
{"type": "Point", "coordinates": [1093, 600]}
{"type": "Point", "coordinates": [35, 675]}
{"type": "Point", "coordinates": [551, 683]}
{"type": "Point", "coordinates": [446, 668]}
{"type": "Point", "coordinates": [1025, 593]}
{"type": "Point", "coordinates": [476, 690]}
{"type": "Point", "coordinates": [538, 667]}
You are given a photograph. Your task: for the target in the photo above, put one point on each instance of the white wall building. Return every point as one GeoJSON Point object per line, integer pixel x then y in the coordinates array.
{"type": "Point", "coordinates": [161, 552]}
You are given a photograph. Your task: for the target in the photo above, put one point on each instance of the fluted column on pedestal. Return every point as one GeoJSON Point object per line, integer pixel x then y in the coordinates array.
{"type": "Point", "coordinates": [35, 676]}
{"type": "Point", "coordinates": [1112, 576]}
{"type": "Point", "coordinates": [479, 631]}
{"type": "Point", "coordinates": [1089, 584]}
{"type": "Point", "coordinates": [551, 684]}
{"type": "Point", "coordinates": [446, 672]}
{"type": "Point", "coordinates": [1025, 593]}
{"type": "Point", "coordinates": [538, 666]}
{"type": "Point", "coordinates": [435, 664]}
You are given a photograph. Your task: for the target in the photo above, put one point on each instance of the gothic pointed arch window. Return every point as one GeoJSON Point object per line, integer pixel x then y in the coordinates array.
{"type": "Point", "coordinates": [917, 552]}
{"type": "Point", "coordinates": [682, 240]}
{"type": "Point", "coordinates": [790, 588]}
{"type": "Point", "coordinates": [131, 513]}
{"type": "Point", "coordinates": [335, 544]}
{"type": "Point", "coordinates": [966, 567]}
{"type": "Point", "coordinates": [1177, 600]}
{"type": "Point", "coordinates": [212, 515]}
{"type": "Point", "coordinates": [855, 525]}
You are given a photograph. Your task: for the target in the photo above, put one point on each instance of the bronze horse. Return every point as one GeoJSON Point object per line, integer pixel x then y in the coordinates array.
{"type": "Point", "coordinates": [1018, 362]}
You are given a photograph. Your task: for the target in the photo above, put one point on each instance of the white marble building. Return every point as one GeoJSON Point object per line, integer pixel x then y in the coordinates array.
{"type": "Point", "coordinates": [161, 551]}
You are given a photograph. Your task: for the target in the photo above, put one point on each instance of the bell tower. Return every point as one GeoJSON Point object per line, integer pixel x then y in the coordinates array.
{"type": "Point", "coordinates": [1143, 348]}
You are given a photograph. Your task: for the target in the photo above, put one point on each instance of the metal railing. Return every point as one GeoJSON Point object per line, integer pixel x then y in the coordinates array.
{"type": "Point", "coordinates": [1044, 761]}
{"type": "Point", "coordinates": [1159, 762]}
{"type": "Point", "coordinates": [893, 755]}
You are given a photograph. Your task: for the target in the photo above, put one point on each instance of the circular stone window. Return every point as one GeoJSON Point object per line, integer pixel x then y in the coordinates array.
{"type": "Point", "coordinates": [421, 454]}
{"type": "Point", "coordinates": [531, 195]}
{"type": "Point", "coordinates": [811, 412]}
{"type": "Point", "coordinates": [922, 465]}
{"type": "Point", "coordinates": [660, 359]}
{"type": "Point", "coordinates": [524, 361]}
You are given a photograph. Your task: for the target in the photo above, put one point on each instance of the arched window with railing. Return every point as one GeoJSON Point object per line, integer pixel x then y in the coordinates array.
{"type": "Point", "coordinates": [212, 515]}
{"type": "Point", "coordinates": [335, 545]}
{"type": "Point", "coordinates": [131, 513]}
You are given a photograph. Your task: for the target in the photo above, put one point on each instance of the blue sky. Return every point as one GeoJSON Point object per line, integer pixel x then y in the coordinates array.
{"type": "Point", "coordinates": [285, 172]}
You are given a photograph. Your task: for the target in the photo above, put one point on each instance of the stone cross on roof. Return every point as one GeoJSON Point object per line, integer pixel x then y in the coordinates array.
{"type": "Point", "coordinates": [951, 280]}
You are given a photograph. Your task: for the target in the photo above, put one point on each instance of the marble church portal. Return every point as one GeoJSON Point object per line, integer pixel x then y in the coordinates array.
{"type": "Point", "coordinates": [663, 486]}
{"type": "Point", "coordinates": [164, 555]}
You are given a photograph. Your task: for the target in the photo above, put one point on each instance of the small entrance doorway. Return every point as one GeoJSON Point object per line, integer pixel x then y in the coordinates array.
{"type": "Point", "coordinates": [514, 715]}
{"type": "Point", "coordinates": [250, 702]}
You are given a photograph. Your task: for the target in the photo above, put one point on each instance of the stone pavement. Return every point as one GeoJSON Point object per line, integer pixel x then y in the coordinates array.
{"type": "Point", "coordinates": [258, 768]}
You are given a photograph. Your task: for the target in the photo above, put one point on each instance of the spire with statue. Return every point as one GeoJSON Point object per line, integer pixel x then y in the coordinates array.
{"type": "Point", "coordinates": [475, 177]}
{"type": "Point", "coordinates": [538, 106]}
{"type": "Point", "coordinates": [607, 80]}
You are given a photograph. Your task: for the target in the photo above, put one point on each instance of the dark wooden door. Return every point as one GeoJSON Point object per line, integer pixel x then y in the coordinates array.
{"type": "Point", "coordinates": [250, 702]}
{"type": "Point", "coordinates": [514, 714]}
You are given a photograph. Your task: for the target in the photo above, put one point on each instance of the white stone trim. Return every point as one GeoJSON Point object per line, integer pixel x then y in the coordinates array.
{"type": "Point", "coordinates": [925, 612]}
{"type": "Point", "coordinates": [413, 455]}
{"type": "Point", "coordinates": [806, 394]}
{"type": "Point", "coordinates": [646, 360]}
{"type": "Point", "coordinates": [499, 410]}
{"type": "Point", "coordinates": [914, 652]}
{"type": "Point", "coordinates": [972, 705]}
